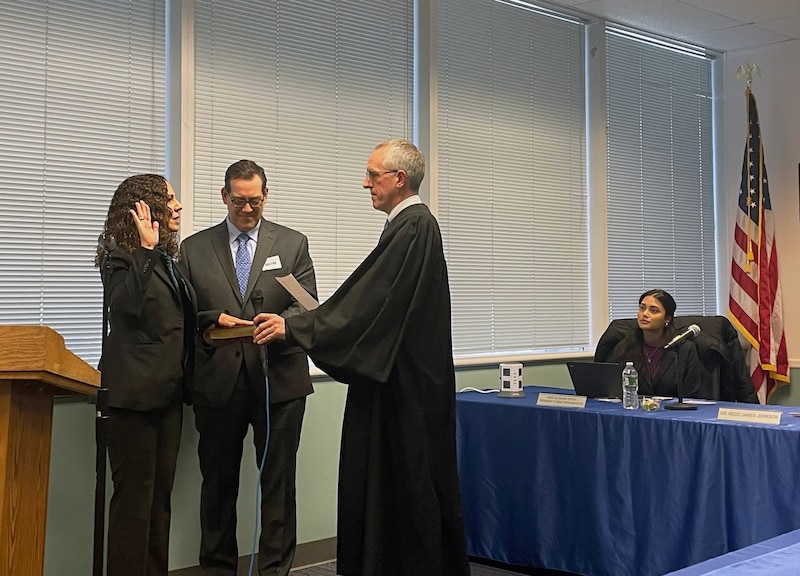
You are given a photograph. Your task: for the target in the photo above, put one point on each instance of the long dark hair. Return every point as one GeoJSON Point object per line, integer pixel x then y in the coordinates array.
{"type": "Point", "coordinates": [631, 347]}
{"type": "Point", "coordinates": [152, 189]}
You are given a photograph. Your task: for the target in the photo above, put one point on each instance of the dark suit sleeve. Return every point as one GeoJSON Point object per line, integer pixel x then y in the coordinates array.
{"type": "Point", "coordinates": [129, 276]}
{"type": "Point", "coordinates": [616, 331]}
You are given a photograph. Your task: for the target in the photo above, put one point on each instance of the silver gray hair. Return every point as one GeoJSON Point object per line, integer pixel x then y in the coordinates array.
{"type": "Point", "coordinates": [403, 155]}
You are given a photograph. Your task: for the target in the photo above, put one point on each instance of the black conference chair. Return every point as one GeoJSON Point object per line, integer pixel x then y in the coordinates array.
{"type": "Point", "coordinates": [718, 347]}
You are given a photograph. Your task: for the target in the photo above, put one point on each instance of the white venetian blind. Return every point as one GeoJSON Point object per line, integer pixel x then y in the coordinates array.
{"type": "Point", "coordinates": [306, 89]}
{"type": "Point", "coordinates": [660, 174]}
{"type": "Point", "coordinates": [512, 177]}
{"type": "Point", "coordinates": [81, 108]}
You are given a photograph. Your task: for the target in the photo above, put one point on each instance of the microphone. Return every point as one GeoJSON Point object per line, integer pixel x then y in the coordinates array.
{"type": "Point", "coordinates": [257, 299]}
{"type": "Point", "coordinates": [687, 334]}
{"type": "Point", "coordinates": [106, 242]}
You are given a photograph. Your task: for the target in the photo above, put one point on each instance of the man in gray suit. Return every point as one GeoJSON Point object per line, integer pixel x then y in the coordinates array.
{"type": "Point", "coordinates": [233, 267]}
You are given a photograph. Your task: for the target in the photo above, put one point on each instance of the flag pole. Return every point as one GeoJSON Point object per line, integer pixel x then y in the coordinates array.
{"type": "Point", "coordinates": [755, 302]}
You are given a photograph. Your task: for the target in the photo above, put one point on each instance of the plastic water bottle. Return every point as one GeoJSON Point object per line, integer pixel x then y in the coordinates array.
{"type": "Point", "coordinates": [630, 387]}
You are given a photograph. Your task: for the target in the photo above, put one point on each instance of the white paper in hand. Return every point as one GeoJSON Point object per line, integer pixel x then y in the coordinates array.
{"type": "Point", "coordinates": [299, 293]}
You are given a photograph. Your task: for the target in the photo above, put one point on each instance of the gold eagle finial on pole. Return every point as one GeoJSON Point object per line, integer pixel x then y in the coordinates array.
{"type": "Point", "coordinates": [746, 71]}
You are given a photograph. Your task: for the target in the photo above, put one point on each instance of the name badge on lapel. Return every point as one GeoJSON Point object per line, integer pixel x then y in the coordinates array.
{"type": "Point", "coordinates": [272, 263]}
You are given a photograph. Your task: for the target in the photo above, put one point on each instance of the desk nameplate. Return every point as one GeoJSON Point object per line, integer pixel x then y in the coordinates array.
{"type": "Point", "coordinates": [561, 400]}
{"type": "Point", "coordinates": [772, 417]}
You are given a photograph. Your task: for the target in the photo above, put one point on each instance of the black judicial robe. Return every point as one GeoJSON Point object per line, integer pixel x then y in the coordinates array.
{"type": "Point", "coordinates": [386, 332]}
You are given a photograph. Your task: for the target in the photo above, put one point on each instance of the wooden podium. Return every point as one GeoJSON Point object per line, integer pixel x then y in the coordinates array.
{"type": "Point", "coordinates": [34, 366]}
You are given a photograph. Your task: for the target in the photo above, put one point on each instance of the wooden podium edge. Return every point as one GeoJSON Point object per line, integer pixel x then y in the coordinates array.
{"type": "Point", "coordinates": [35, 366]}
{"type": "Point", "coordinates": [59, 385]}
{"type": "Point", "coordinates": [38, 353]}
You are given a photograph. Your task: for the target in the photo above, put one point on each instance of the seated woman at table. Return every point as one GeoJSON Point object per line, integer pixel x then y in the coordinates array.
{"type": "Point", "coordinates": [673, 372]}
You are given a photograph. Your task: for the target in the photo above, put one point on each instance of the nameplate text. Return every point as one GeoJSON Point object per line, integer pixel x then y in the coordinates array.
{"type": "Point", "coordinates": [750, 416]}
{"type": "Point", "coordinates": [567, 400]}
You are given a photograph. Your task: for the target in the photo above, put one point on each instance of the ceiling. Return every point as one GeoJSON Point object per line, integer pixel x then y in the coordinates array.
{"type": "Point", "coordinates": [723, 25]}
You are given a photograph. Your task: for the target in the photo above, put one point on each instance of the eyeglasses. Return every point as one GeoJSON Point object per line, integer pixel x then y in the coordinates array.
{"type": "Point", "coordinates": [373, 175]}
{"type": "Point", "coordinates": [240, 202]}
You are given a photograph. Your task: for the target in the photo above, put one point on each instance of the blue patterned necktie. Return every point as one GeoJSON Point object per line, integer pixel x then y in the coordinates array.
{"type": "Point", "coordinates": [242, 263]}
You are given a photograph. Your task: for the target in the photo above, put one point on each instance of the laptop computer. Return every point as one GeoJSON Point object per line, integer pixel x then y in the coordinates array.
{"type": "Point", "coordinates": [596, 379]}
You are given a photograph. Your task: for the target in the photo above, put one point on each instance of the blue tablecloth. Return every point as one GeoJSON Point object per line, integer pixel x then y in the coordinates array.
{"type": "Point", "coordinates": [779, 556]}
{"type": "Point", "coordinates": [607, 491]}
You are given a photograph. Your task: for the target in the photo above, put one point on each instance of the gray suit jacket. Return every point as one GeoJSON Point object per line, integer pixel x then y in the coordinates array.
{"type": "Point", "coordinates": [207, 263]}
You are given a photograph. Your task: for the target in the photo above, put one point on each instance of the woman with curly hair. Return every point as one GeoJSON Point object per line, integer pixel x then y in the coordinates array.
{"type": "Point", "coordinates": [145, 366]}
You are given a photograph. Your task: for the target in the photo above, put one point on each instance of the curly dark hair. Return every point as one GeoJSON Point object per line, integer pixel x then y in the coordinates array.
{"type": "Point", "coordinates": [152, 189]}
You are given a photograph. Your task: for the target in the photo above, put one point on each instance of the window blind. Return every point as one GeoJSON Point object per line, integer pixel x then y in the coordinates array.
{"type": "Point", "coordinates": [81, 108]}
{"type": "Point", "coordinates": [511, 179]}
{"type": "Point", "coordinates": [660, 174]}
{"type": "Point", "coordinates": [300, 88]}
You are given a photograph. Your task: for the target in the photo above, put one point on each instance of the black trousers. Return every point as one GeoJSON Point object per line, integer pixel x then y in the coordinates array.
{"type": "Point", "coordinates": [143, 451]}
{"type": "Point", "coordinates": [220, 447]}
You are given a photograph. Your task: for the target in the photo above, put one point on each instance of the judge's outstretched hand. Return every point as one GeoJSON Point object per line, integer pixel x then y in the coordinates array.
{"type": "Point", "coordinates": [270, 327]}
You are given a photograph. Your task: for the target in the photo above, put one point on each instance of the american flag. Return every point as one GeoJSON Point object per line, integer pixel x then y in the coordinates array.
{"type": "Point", "coordinates": [755, 304]}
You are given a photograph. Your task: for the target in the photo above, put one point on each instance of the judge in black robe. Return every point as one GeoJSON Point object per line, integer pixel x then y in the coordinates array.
{"type": "Point", "coordinates": [386, 332]}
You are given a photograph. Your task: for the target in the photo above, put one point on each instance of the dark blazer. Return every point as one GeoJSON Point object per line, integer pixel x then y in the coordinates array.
{"type": "Point", "coordinates": [207, 262]}
{"type": "Point", "coordinates": [147, 359]}
{"type": "Point", "coordinates": [721, 355]}
{"type": "Point", "coordinates": [679, 374]}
